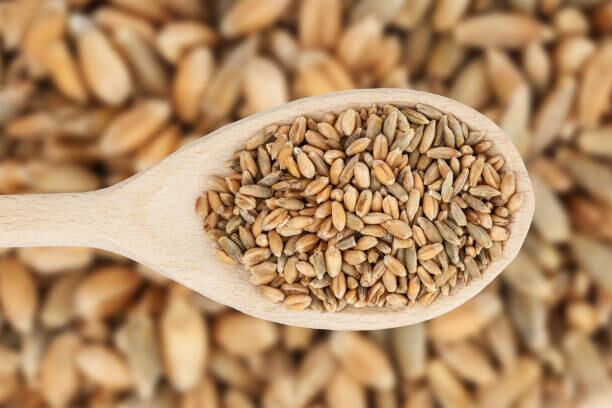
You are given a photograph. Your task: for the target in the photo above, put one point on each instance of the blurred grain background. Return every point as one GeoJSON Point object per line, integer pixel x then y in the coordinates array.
{"type": "Point", "coordinates": [93, 91]}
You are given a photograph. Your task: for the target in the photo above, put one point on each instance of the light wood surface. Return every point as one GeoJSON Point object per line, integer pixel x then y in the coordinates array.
{"type": "Point", "coordinates": [150, 217]}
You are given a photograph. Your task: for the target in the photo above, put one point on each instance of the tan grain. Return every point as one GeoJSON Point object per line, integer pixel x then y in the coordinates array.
{"type": "Point", "coordinates": [105, 292]}
{"type": "Point", "coordinates": [18, 295]}
{"type": "Point", "coordinates": [104, 366]}
{"type": "Point", "coordinates": [184, 341]}
{"type": "Point", "coordinates": [103, 68]}
{"type": "Point", "coordinates": [363, 359]}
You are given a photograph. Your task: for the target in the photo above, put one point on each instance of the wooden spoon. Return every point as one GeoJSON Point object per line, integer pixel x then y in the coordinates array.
{"type": "Point", "coordinates": [150, 217]}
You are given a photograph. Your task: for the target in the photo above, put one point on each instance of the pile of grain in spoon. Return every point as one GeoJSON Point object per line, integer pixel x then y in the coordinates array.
{"type": "Point", "coordinates": [381, 207]}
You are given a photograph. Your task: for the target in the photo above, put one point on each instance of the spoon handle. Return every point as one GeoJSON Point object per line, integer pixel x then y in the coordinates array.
{"type": "Point", "coordinates": [71, 219]}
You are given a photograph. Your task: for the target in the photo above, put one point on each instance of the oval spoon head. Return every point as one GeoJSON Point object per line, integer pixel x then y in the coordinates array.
{"type": "Point", "coordinates": [163, 232]}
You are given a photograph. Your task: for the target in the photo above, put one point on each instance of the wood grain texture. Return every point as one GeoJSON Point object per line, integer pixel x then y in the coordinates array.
{"type": "Point", "coordinates": [150, 217]}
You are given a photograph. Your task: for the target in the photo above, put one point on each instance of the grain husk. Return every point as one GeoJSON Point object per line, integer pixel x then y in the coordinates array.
{"type": "Point", "coordinates": [18, 295]}
{"type": "Point", "coordinates": [243, 335]}
{"type": "Point", "coordinates": [363, 359]}
{"type": "Point", "coordinates": [133, 128]}
{"type": "Point", "coordinates": [466, 320]}
{"type": "Point", "coordinates": [505, 30]}
{"type": "Point", "coordinates": [138, 341]}
{"type": "Point", "coordinates": [103, 68]}
{"type": "Point", "coordinates": [103, 366]}
{"type": "Point", "coordinates": [59, 378]}
{"type": "Point", "coordinates": [178, 37]}
{"type": "Point", "coordinates": [105, 292]}
{"type": "Point", "coordinates": [184, 341]}
{"type": "Point", "coordinates": [446, 387]}
{"type": "Point", "coordinates": [247, 16]}
{"type": "Point", "coordinates": [192, 78]}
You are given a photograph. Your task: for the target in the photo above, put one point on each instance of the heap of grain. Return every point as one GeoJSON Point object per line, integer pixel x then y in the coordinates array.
{"type": "Point", "coordinates": [385, 206]}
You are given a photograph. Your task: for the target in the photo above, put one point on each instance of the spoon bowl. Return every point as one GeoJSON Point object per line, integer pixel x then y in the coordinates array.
{"type": "Point", "coordinates": [150, 217]}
